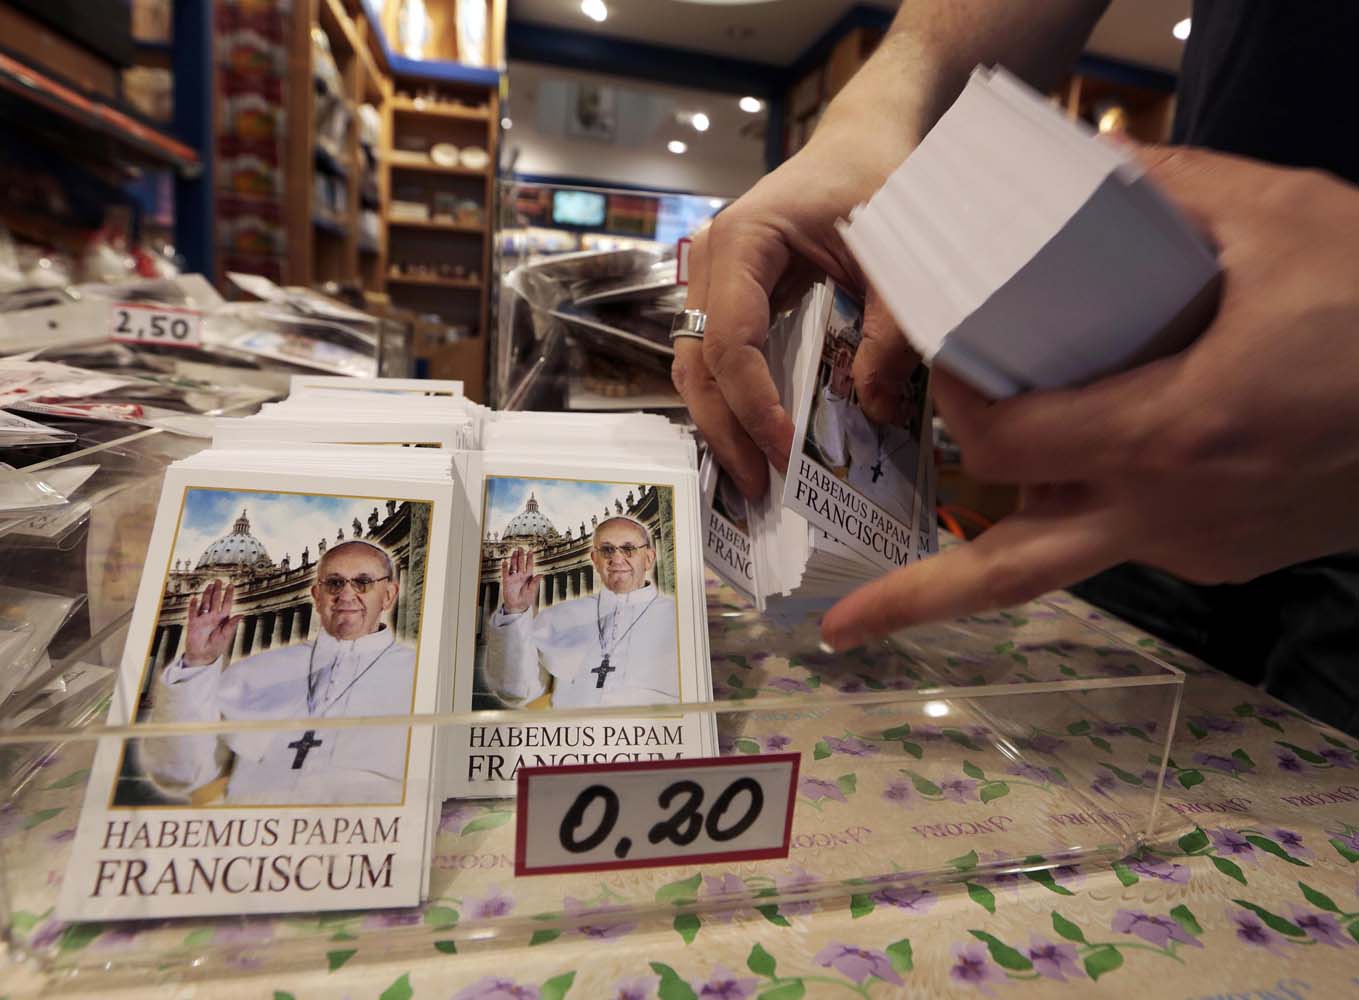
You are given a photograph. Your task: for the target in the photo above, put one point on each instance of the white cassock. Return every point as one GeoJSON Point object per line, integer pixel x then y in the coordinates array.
{"type": "Point", "coordinates": [327, 677]}
{"type": "Point", "coordinates": [568, 641]}
{"type": "Point", "coordinates": [882, 458]}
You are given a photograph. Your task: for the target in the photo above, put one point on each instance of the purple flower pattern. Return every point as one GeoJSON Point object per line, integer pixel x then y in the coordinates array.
{"type": "Point", "coordinates": [775, 743]}
{"type": "Point", "coordinates": [1337, 757]}
{"type": "Point", "coordinates": [790, 684]}
{"type": "Point", "coordinates": [858, 963]}
{"type": "Point", "coordinates": [1287, 760]}
{"type": "Point", "coordinates": [1231, 844]}
{"type": "Point", "coordinates": [1054, 961]}
{"type": "Point", "coordinates": [1166, 871]}
{"type": "Point", "coordinates": [800, 879]}
{"type": "Point", "coordinates": [853, 746]}
{"type": "Point", "coordinates": [1321, 927]}
{"type": "Point", "coordinates": [905, 897]}
{"type": "Point", "coordinates": [1251, 930]}
{"type": "Point", "coordinates": [815, 788]}
{"type": "Point", "coordinates": [495, 903]}
{"type": "Point", "coordinates": [899, 792]}
{"type": "Point", "coordinates": [638, 988]}
{"type": "Point", "coordinates": [958, 789]}
{"type": "Point", "coordinates": [1291, 842]}
{"type": "Point", "coordinates": [496, 988]}
{"type": "Point", "coordinates": [973, 967]}
{"type": "Point", "coordinates": [723, 984]}
{"type": "Point", "coordinates": [1227, 765]}
{"type": "Point", "coordinates": [1217, 723]}
{"type": "Point", "coordinates": [605, 929]}
{"type": "Point", "coordinates": [1160, 931]}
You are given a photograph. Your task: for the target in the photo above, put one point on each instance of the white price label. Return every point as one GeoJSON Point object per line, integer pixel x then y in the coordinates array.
{"type": "Point", "coordinates": [145, 323]}
{"type": "Point", "coordinates": [643, 814]}
{"type": "Point", "coordinates": [682, 260]}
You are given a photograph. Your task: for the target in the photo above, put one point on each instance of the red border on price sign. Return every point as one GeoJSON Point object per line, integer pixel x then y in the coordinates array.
{"type": "Point", "coordinates": [756, 854]}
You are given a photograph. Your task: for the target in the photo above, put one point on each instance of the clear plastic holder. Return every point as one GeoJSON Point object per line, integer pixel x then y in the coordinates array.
{"type": "Point", "coordinates": [962, 755]}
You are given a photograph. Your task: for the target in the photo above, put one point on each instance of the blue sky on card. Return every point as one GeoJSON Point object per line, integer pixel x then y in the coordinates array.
{"type": "Point", "coordinates": [567, 503]}
{"type": "Point", "coordinates": [284, 522]}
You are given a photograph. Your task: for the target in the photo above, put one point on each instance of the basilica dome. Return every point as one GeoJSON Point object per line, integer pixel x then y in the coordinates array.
{"type": "Point", "coordinates": [529, 522]}
{"type": "Point", "coordinates": [240, 548]}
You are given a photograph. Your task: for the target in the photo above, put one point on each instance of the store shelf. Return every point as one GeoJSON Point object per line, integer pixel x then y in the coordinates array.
{"type": "Point", "coordinates": [129, 136]}
{"type": "Point", "coordinates": [332, 227]}
{"type": "Point", "coordinates": [428, 166]}
{"type": "Point", "coordinates": [438, 110]}
{"type": "Point", "coordinates": [443, 71]}
{"type": "Point", "coordinates": [446, 227]}
{"type": "Point", "coordinates": [329, 163]}
{"type": "Point", "coordinates": [464, 284]}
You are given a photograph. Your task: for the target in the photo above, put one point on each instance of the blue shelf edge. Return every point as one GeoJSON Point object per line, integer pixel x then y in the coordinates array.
{"type": "Point", "coordinates": [440, 70]}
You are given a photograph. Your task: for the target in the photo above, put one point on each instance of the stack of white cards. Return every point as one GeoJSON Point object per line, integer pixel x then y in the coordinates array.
{"type": "Point", "coordinates": [313, 566]}
{"type": "Point", "coordinates": [337, 410]}
{"type": "Point", "coordinates": [590, 594]}
{"type": "Point", "coordinates": [1022, 253]}
{"type": "Point", "coordinates": [858, 500]}
{"type": "Point", "coordinates": [284, 586]}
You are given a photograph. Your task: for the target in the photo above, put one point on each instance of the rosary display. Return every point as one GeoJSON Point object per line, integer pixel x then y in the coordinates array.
{"type": "Point", "coordinates": [377, 549]}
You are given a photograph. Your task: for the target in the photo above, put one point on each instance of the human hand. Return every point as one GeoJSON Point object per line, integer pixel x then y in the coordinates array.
{"type": "Point", "coordinates": [766, 246]}
{"type": "Point", "coordinates": [211, 626]}
{"type": "Point", "coordinates": [1233, 458]}
{"type": "Point", "coordinates": [517, 581]}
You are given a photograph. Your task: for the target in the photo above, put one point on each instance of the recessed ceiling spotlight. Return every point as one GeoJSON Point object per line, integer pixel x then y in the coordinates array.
{"type": "Point", "coordinates": [676, 147]}
{"type": "Point", "coordinates": [506, 124]}
{"type": "Point", "coordinates": [751, 105]}
{"type": "Point", "coordinates": [594, 9]}
{"type": "Point", "coordinates": [1181, 29]}
{"type": "Point", "coordinates": [699, 121]}
{"type": "Point", "coordinates": [715, 202]}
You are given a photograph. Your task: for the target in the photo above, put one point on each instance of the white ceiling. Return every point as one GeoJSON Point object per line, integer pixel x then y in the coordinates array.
{"type": "Point", "coordinates": [778, 31]}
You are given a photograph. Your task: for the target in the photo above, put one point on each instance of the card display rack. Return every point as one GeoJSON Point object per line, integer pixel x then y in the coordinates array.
{"type": "Point", "coordinates": [1002, 745]}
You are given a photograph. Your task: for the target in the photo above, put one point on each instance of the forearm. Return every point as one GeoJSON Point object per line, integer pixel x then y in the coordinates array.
{"type": "Point", "coordinates": [932, 46]}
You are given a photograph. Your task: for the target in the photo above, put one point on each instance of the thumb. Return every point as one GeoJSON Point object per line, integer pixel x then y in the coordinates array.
{"type": "Point", "coordinates": [1049, 545]}
{"type": "Point", "coordinates": [883, 362]}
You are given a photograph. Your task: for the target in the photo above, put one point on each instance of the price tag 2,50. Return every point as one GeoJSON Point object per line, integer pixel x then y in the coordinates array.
{"type": "Point", "coordinates": [149, 323]}
{"type": "Point", "coordinates": [595, 817]}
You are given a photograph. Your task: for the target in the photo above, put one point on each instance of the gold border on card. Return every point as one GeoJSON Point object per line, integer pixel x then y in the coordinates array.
{"type": "Point", "coordinates": [146, 657]}
{"type": "Point", "coordinates": [679, 647]}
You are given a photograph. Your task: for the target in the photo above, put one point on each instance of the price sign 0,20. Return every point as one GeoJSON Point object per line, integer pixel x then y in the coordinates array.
{"type": "Point", "coordinates": [148, 323]}
{"type": "Point", "coordinates": [653, 813]}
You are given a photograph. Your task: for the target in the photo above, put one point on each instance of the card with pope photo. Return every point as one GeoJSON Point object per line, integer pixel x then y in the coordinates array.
{"type": "Point", "coordinates": [859, 480]}
{"type": "Point", "coordinates": [588, 595]}
{"type": "Point", "coordinates": [263, 611]}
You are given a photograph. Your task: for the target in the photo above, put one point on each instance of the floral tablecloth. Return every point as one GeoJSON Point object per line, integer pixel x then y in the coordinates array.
{"type": "Point", "coordinates": [1252, 890]}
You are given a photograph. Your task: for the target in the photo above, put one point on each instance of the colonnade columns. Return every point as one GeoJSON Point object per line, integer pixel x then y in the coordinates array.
{"type": "Point", "coordinates": [280, 617]}
{"type": "Point", "coordinates": [401, 622]}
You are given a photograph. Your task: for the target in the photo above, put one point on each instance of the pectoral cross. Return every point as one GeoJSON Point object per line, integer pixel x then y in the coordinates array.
{"type": "Point", "coordinates": [304, 746]}
{"type": "Point", "coordinates": [876, 470]}
{"type": "Point", "coordinates": [602, 671]}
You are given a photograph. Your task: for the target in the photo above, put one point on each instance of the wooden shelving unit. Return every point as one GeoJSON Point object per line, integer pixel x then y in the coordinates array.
{"type": "Point", "coordinates": [463, 284]}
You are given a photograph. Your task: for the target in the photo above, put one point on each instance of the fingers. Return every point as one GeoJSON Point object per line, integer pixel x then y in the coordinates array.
{"type": "Point", "coordinates": [735, 450]}
{"type": "Point", "coordinates": [1030, 553]}
{"type": "Point", "coordinates": [883, 362]}
{"type": "Point", "coordinates": [1058, 435]}
{"type": "Point", "coordinates": [193, 608]}
{"type": "Point", "coordinates": [228, 598]}
{"type": "Point", "coordinates": [746, 259]}
{"type": "Point", "coordinates": [528, 563]}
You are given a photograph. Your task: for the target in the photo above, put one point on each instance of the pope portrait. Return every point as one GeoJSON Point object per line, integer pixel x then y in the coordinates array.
{"type": "Point", "coordinates": [354, 666]}
{"type": "Point", "coordinates": [879, 460]}
{"type": "Point", "coordinates": [617, 646]}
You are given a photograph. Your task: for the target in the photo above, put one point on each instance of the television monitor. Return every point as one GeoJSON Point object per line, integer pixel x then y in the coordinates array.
{"type": "Point", "coordinates": [583, 209]}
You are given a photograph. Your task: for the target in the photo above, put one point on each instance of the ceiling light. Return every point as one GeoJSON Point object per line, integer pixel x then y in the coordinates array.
{"type": "Point", "coordinates": [751, 105]}
{"type": "Point", "coordinates": [1181, 29]}
{"type": "Point", "coordinates": [715, 202]}
{"type": "Point", "coordinates": [699, 121]}
{"type": "Point", "coordinates": [506, 124]}
{"type": "Point", "coordinates": [936, 709]}
{"type": "Point", "coordinates": [594, 9]}
{"type": "Point", "coordinates": [676, 147]}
